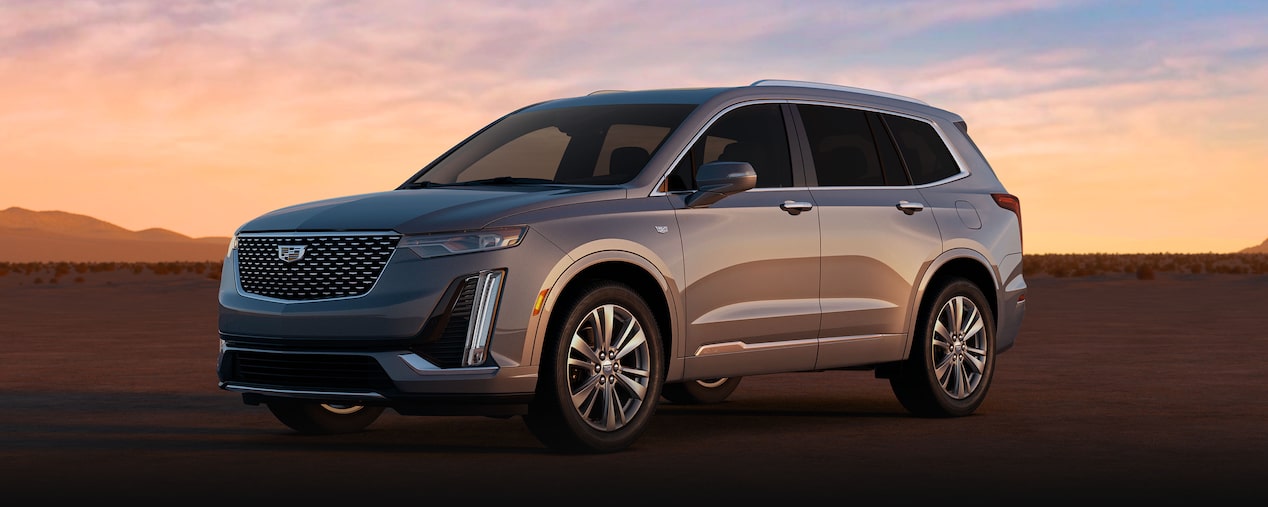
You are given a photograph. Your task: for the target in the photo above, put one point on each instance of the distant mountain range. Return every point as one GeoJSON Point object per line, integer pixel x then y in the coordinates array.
{"type": "Point", "coordinates": [1262, 248]}
{"type": "Point", "coordinates": [53, 236]}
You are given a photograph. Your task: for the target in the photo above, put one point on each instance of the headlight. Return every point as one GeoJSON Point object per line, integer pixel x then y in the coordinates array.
{"type": "Point", "coordinates": [233, 245]}
{"type": "Point", "coordinates": [453, 243]}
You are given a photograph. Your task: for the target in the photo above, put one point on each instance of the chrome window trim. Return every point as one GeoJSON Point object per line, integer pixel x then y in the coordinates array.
{"type": "Point", "coordinates": [946, 141]}
{"type": "Point", "coordinates": [960, 162]}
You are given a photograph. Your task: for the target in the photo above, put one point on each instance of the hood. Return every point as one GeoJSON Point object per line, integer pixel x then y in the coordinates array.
{"type": "Point", "coordinates": [416, 211]}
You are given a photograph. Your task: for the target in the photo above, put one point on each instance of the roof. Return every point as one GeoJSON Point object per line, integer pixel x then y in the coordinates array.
{"type": "Point", "coordinates": [703, 94]}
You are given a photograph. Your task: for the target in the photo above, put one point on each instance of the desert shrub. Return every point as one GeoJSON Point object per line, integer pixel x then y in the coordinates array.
{"type": "Point", "coordinates": [1080, 265]}
{"type": "Point", "coordinates": [38, 281]}
{"type": "Point", "coordinates": [1145, 272]}
{"type": "Point", "coordinates": [79, 279]}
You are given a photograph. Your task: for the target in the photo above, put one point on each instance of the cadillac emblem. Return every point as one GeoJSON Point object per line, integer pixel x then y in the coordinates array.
{"type": "Point", "coordinates": [290, 253]}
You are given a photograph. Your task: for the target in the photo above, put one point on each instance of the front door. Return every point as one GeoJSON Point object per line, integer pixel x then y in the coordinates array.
{"type": "Point", "coordinates": [751, 266]}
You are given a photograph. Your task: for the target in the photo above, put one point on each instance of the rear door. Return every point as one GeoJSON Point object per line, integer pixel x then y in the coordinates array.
{"type": "Point", "coordinates": [876, 238]}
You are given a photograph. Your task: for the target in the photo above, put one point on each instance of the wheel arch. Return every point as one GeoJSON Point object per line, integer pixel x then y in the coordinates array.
{"type": "Point", "coordinates": [960, 263]}
{"type": "Point", "coordinates": [625, 267]}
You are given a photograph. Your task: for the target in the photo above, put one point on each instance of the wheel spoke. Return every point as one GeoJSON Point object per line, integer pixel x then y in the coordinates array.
{"type": "Point", "coordinates": [941, 336]}
{"type": "Point", "coordinates": [973, 324]}
{"type": "Point", "coordinates": [945, 376]}
{"type": "Point", "coordinates": [961, 381]}
{"type": "Point", "coordinates": [603, 338]}
{"type": "Point", "coordinates": [940, 370]}
{"type": "Point", "coordinates": [976, 358]}
{"type": "Point", "coordinates": [613, 417]}
{"type": "Point", "coordinates": [586, 394]}
{"type": "Point", "coordinates": [957, 313]}
{"type": "Point", "coordinates": [636, 388]}
{"type": "Point", "coordinates": [581, 346]}
{"type": "Point", "coordinates": [632, 339]}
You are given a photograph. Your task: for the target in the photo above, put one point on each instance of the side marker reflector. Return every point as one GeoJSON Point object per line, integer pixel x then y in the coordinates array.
{"type": "Point", "coordinates": [541, 300]}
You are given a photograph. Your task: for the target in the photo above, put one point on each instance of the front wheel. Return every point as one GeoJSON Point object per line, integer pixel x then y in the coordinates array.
{"type": "Point", "coordinates": [702, 391]}
{"type": "Point", "coordinates": [601, 374]}
{"type": "Point", "coordinates": [312, 418]}
{"type": "Point", "coordinates": [952, 354]}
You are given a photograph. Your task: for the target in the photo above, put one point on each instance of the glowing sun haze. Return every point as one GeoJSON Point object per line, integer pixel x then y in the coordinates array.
{"type": "Point", "coordinates": [1123, 126]}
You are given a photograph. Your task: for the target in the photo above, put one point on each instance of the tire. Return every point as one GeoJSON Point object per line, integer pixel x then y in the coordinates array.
{"type": "Point", "coordinates": [311, 418]}
{"type": "Point", "coordinates": [702, 391]}
{"type": "Point", "coordinates": [587, 402]}
{"type": "Point", "coordinates": [952, 356]}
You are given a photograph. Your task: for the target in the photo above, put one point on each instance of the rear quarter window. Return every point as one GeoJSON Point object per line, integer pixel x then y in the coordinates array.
{"type": "Point", "coordinates": [927, 157]}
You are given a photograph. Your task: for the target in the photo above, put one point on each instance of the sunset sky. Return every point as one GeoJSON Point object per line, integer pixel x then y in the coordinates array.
{"type": "Point", "coordinates": [1123, 126]}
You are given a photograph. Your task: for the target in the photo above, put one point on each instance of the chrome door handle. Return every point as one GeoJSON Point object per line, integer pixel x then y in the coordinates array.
{"type": "Point", "coordinates": [795, 207]}
{"type": "Point", "coordinates": [910, 207]}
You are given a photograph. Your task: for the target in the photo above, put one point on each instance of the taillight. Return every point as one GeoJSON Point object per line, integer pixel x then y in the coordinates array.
{"type": "Point", "coordinates": [1011, 203]}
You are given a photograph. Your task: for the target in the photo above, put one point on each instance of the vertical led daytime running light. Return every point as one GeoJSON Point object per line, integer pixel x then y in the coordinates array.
{"type": "Point", "coordinates": [488, 287]}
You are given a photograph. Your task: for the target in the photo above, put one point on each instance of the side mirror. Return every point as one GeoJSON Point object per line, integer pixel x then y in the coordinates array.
{"type": "Point", "coordinates": [720, 179]}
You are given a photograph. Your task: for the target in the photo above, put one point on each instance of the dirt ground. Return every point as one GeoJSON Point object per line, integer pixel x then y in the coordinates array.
{"type": "Point", "coordinates": [1118, 390]}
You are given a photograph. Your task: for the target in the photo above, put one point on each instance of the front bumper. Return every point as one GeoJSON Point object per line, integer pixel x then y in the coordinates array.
{"type": "Point", "coordinates": [444, 334]}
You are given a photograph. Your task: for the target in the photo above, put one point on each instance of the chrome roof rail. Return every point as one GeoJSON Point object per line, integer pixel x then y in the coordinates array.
{"type": "Point", "coordinates": [827, 86]}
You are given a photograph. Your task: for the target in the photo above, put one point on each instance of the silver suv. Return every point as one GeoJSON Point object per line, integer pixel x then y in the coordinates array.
{"type": "Point", "coordinates": [578, 260]}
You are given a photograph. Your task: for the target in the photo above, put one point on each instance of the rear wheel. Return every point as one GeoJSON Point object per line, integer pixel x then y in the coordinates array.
{"type": "Point", "coordinates": [601, 374]}
{"type": "Point", "coordinates": [702, 391]}
{"type": "Point", "coordinates": [323, 418]}
{"type": "Point", "coordinates": [952, 355]}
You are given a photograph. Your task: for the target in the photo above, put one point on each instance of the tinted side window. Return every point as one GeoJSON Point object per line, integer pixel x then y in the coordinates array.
{"type": "Point", "coordinates": [890, 160]}
{"type": "Point", "coordinates": [927, 158]}
{"type": "Point", "coordinates": [753, 134]}
{"type": "Point", "coordinates": [842, 146]}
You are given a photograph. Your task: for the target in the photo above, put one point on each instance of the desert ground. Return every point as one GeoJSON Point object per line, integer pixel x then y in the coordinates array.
{"type": "Point", "coordinates": [1124, 386]}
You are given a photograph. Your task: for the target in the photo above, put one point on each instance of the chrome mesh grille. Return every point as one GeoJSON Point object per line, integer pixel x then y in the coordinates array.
{"type": "Point", "coordinates": [331, 267]}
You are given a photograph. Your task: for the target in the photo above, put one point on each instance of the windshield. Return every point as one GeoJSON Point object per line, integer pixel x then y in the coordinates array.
{"type": "Point", "coordinates": [582, 145]}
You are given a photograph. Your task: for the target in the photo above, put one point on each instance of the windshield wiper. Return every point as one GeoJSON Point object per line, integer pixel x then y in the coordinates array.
{"type": "Point", "coordinates": [504, 180]}
{"type": "Point", "coordinates": [500, 180]}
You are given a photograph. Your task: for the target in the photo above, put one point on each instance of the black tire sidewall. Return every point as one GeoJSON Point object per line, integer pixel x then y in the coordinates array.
{"type": "Point", "coordinates": [313, 419]}
{"type": "Point", "coordinates": [690, 392]}
{"type": "Point", "coordinates": [923, 391]}
{"type": "Point", "coordinates": [551, 416]}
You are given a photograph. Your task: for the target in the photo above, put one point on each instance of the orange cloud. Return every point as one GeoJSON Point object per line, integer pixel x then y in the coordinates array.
{"type": "Point", "coordinates": [198, 116]}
